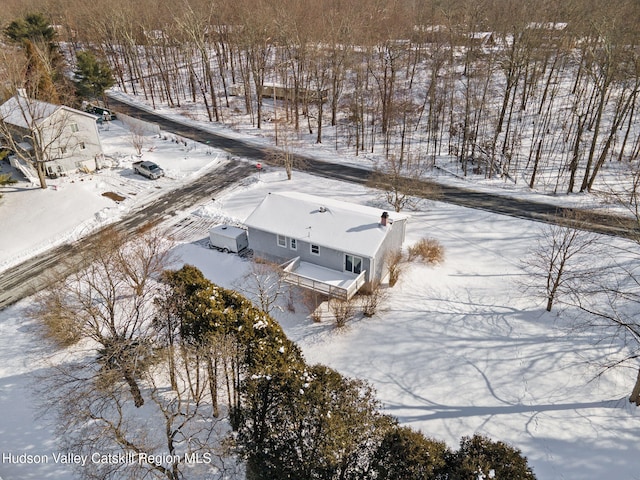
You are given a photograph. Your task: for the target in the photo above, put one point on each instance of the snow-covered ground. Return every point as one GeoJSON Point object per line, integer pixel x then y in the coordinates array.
{"type": "Point", "coordinates": [334, 149]}
{"type": "Point", "coordinates": [456, 349]}
{"type": "Point", "coordinates": [34, 219]}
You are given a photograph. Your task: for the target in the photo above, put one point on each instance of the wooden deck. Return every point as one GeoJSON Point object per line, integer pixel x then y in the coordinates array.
{"type": "Point", "coordinates": [321, 279]}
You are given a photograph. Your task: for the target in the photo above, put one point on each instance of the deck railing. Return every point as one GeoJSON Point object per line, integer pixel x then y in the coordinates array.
{"type": "Point", "coordinates": [316, 285]}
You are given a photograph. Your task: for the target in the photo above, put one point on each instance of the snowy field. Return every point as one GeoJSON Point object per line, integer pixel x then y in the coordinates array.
{"type": "Point", "coordinates": [35, 219]}
{"type": "Point", "coordinates": [456, 349]}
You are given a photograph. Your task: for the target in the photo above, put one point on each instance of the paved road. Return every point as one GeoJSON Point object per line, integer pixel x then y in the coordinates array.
{"type": "Point", "coordinates": [36, 273]}
{"type": "Point", "coordinates": [610, 225]}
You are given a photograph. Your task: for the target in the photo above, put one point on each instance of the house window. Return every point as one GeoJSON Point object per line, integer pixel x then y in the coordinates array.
{"type": "Point", "coordinates": [82, 146]}
{"type": "Point", "coordinates": [315, 249]}
{"type": "Point", "coordinates": [293, 244]}
{"type": "Point", "coordinates": [282, 241]}
{"type": "Point", "coordinates": [353, 264]}
{"type": "Point", "coordinates": [63, 150]}
{"type": "Point", "coordinates": [74, 127]}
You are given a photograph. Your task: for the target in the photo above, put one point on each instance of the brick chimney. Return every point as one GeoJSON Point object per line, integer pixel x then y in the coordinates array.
{"type": "Point", "coordinates": [383, 219]}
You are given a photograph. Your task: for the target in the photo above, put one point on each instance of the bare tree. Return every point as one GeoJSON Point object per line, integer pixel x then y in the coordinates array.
{"type": "Point", "coordinates": [264, 285]}
{"type": "Point", "coordinates": [560, 261]}
{"type": "Point", "coordinates": [110, 301]}
{"type": "Point", "coordinates": [394, 261]}
{"type": "Point", "coordinates": [178, 432]}
{"type": "Point", "coordinates": [343, 310]}
{"type": "Point", "coordinates": [196, 27]}
{"type": "Point", "coordinates": [372, 298]}
{"type": "Point", "coordinates": [562, 95]}
{"type": "Point", "coordinates": [257, 49]}
{"type": "Point", "coordinates": [608, 308]}
{"type": "Point", "coordinates": [283, 154]}
{"type": "Point", "coordinates": [125, 362]}
{"type": "Point", "coordinates": [397, 180]}
{"type": "Point", "coordinates": [137, 137]}
{"type": "Point", "coordinates": [37, 132]}
{"type": "Point", "coordinates": [609, 302]}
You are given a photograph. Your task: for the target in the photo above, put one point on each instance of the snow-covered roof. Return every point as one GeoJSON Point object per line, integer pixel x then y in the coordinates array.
{"type": "Point", "coordinates": [227, 231]}
{"type": "Point", "coordinates": [26, 113]}
{"type": "Point", "coordinates": [480, 35]}
{"type": "Point", "coordinates": [323, 221]}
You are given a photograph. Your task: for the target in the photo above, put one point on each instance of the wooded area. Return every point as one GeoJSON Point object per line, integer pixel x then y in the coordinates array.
{"type": "Point", "coordinates": [539, 92]}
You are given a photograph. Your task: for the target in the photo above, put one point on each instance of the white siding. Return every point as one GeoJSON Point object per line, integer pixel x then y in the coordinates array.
{"type": "Point", "coordinates": [70, 149]}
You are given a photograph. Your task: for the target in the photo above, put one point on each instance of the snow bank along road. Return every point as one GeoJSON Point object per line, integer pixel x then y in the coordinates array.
{"type": "Point", "coordinates": [600, 223]}
{"type": "Point", "coordinates": [36, 273]}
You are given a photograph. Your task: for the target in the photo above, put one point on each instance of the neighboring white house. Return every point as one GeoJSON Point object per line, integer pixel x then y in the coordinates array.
{"type": "Point", "coordinates": [68, 139]}
{"type": "Point", "coordinates": [482, 39]}
{"type": "Point", "coordinates": [326, 245]}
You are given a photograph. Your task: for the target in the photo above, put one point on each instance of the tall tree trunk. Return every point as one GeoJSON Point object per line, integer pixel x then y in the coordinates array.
{"type": "Point", "coordinates": [319, 132]}
{"type": "Point", "coordinates": [138, 401]}
{"type": "Point", "coordinates": [41, 174]}
{"type": "Point", "coordinates": [535, 165]}
{"type": "Point", "coordinates": [619, 116]}
{"type": "Point", "coordinates": [212, 91]}
{"type": "Point", "coordinates": [172, 366]}
{"type": "Point", "coordinates": [635, 393]}
{"type": "Point", "coordinates": [213, 384]}
{"type": "Point", "coordinates": [573, 167]}
{"type": "Point", "coordinates": [596, 132]}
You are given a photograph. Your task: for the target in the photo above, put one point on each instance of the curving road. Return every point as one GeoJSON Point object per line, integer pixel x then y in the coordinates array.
{"type": "Point", "coordinates": [32, 275]}
{"type": "Point", "coordinates": [600, 223]}
{"type": "Point", "coordinates": [38, 272]}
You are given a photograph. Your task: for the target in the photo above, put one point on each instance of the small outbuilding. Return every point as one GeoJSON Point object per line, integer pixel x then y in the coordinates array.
{"type": "Point", "coordinates": [228, 238]}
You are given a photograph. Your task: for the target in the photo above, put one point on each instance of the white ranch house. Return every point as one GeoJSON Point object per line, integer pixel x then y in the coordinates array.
{"type": "Point", "coordinates": [326, 245]}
